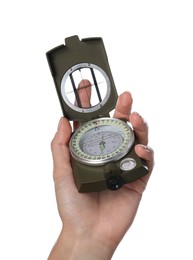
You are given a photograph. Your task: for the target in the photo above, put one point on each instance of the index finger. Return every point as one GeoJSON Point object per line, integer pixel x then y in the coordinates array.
{"type": "Point", "coordinates": [84, 93]}
{"type": "Point", "coordinates": [140, 127]}
{"type": "Point", "coordinates": [84, 96]}
{"type": "Point", "coordinates": [123, 106]}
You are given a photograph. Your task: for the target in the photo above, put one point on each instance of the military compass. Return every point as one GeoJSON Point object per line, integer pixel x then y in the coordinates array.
{"type": "Point", "coordinates": [102, 148]}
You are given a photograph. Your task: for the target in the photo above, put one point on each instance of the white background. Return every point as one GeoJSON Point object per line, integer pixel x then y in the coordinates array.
{"type": "Point", "coordinates": [150, 49]}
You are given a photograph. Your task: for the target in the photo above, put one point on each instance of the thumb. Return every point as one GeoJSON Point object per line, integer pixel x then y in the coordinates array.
{"type": "Point", "coordinates": [60, 151]}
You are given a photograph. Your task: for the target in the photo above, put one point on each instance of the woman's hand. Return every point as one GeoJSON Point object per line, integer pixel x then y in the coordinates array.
{"type": "Point", "coordinates": [93, 224]}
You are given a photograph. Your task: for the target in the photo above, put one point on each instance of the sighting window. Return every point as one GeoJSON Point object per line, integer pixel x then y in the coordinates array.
{"type": "Point", "coordinates": [88, 81]}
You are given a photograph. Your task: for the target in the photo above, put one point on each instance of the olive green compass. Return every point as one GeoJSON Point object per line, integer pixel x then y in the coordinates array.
{"type": "Point", "coordinates": [102, 148]}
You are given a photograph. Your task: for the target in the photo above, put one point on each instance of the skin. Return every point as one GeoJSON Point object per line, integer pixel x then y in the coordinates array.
{"type": "Point", "coordinates": [93, 224]}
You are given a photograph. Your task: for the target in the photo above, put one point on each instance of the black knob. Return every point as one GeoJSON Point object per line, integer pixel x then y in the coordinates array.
{"type": "Point", "coordinates": [114, 183]}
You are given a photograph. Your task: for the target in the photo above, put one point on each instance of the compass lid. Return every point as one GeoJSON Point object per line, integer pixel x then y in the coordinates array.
{"type": "Point", "coordinates": [82, 65]}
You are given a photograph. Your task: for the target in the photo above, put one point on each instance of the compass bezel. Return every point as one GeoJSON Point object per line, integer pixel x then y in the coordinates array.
{"type": "Point", "coordinates": [87, 159]}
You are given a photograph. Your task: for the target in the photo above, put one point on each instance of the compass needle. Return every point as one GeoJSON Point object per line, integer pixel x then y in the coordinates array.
{"type": "Point", "coordinates": [102, 146]}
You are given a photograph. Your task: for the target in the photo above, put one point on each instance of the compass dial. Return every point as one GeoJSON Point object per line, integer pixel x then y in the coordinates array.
{"type": "Point", "coordinates": [101, 140]}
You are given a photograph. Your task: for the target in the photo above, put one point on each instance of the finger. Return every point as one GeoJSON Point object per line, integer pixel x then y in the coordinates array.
{"type": "Point", "coordinates": [84, 93]}
{"type": "Point", "coordinates": [140, 128]}
{"type": "Point", "coordinates": [60, 151]}
{"type": "Point", "coordinates": [146, 153]}
{"type": "Point", "coordinates": [123, 106]}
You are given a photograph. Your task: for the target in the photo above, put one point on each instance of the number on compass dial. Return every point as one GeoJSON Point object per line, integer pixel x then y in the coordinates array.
{"type": "Point", "coordinates": [101, 140]}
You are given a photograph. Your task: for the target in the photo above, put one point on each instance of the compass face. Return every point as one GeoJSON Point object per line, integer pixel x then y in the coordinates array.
{"type": "Point", "coordinates": [101, 140]}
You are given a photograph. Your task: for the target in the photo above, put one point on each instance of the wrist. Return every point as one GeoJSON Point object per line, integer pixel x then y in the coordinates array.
{"type": "Point", "coordinates": [80, 246]}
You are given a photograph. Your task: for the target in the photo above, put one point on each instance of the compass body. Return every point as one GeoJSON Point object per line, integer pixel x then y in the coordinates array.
{"type": "Point", "coordinates": [103, 155]}
{"type": "Point", "coordinates": [102, 148]}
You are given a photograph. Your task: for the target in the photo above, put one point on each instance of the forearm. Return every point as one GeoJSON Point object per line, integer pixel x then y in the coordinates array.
{"type": "Point", "coordinates": [70, 247]}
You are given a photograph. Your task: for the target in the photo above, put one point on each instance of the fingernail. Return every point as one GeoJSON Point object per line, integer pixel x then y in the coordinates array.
{"type": "Point", "coordinates": [137, 114]}
{"type": "Point", "coordinates": [60, 122]}
{"type": "Point", "coordinates": [146, 148]}
{"type": "Point", "coordinates": [142, 118]}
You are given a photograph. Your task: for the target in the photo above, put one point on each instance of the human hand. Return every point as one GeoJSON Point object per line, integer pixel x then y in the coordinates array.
{"type": "Point", "coordinates": [93, 224]}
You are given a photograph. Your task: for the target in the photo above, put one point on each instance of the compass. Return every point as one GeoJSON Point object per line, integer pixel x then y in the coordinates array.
{"type": "Point", "coordinates": [102, 148]}
{"type": "Point", "coordinates": [101, 141]}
